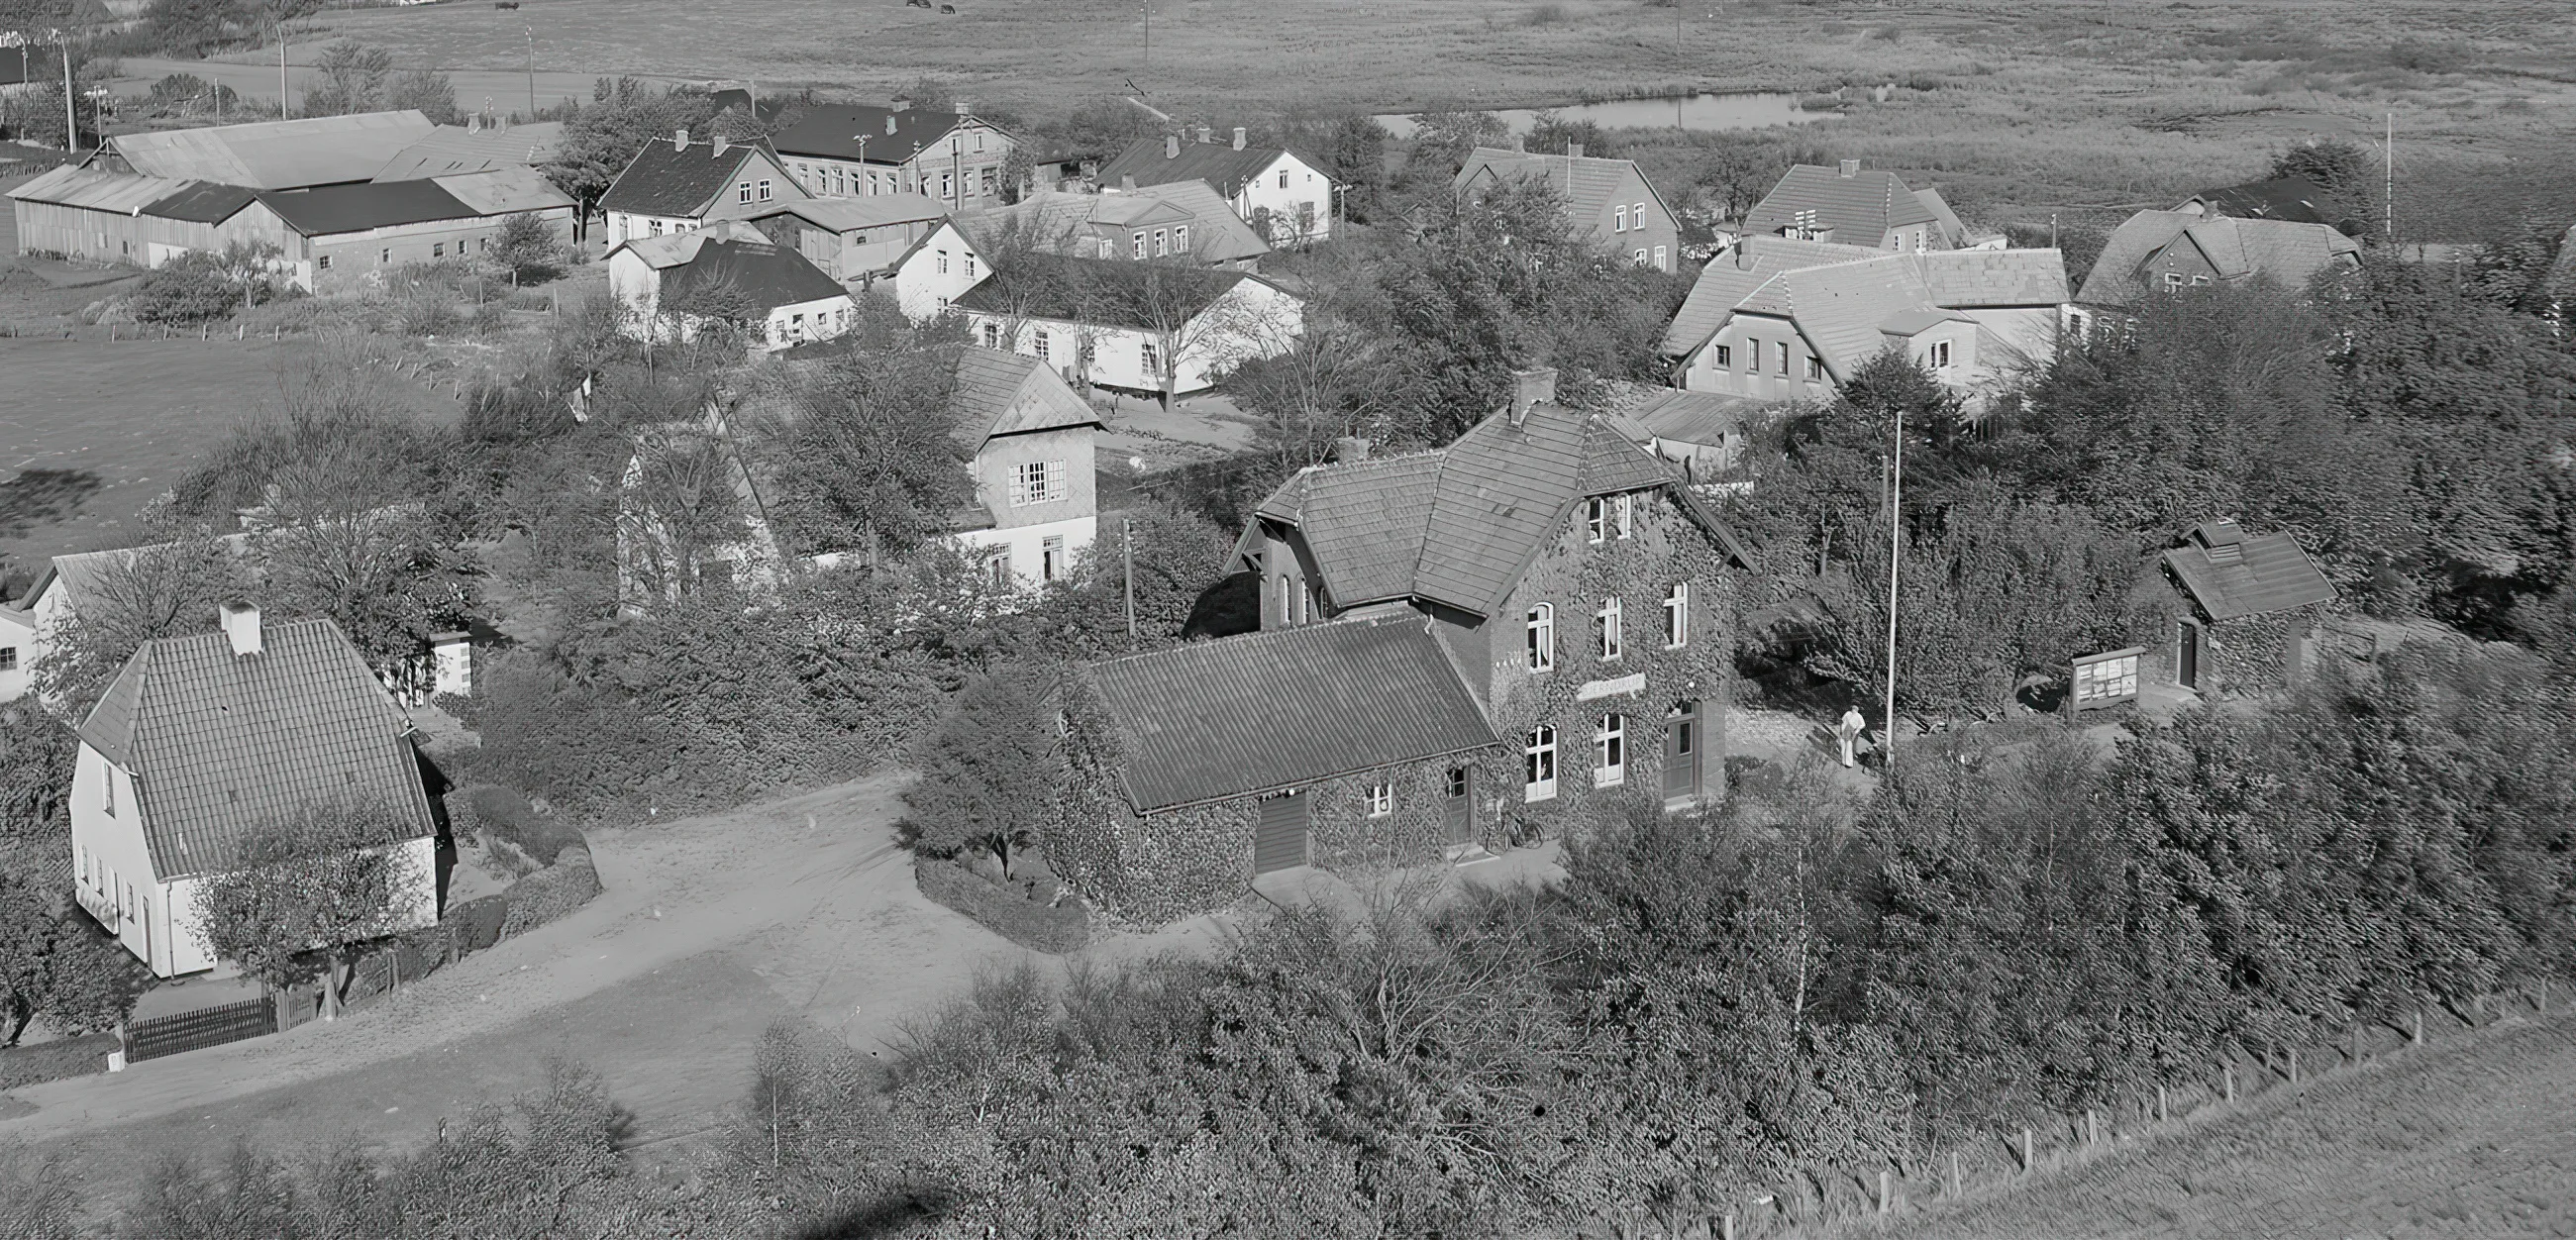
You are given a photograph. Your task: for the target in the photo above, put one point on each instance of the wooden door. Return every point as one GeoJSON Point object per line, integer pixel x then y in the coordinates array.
{"type": "Point", "coordinates": [2187, 654]}
{"type": "Point", "coordinates": [1458, 805]}
{"type": "Point", "coordinates": [1279, 841]}
{"type": "Point", "coordinates": [1684, 743]}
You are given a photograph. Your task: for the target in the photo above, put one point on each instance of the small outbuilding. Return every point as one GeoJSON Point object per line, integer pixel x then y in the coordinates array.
{"type": "Point", "coordinates": [2248, 607]}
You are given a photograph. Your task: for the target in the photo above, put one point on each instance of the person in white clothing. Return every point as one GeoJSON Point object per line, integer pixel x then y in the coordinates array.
{"type": "Point", "coordinates": [1848, 731]}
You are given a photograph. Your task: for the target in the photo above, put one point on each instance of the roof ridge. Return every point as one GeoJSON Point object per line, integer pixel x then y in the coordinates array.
{"type": "Point", "coordinates": [1265, 635]}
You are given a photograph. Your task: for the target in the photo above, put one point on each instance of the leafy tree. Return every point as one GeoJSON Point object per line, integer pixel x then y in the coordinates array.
{"type": "Point", "coordinates": [2333, 164]}
{"type": "Point", "coordinates": [529, 249]}
{"type": "Point", "coordinates": [36, 758]}
{"type": "Point", "coordinates": [600, 140]}
{"type": "Point", "coordinates": [987, 775]}
{"type": "Point", "coordinates": [871, 459]}
{"type": "Point", "coordinates": [1355, 151]}
{"type": "Point", "coordinates": [193, 27]}
{"type": "Point", "coordinates": [1552, 134]}
{"type": "Point", "coordinates": [165, 589]}
{"type": "Point", "coordinates": [1178, 555]}
{"type": "Point", "coordinates": [325, 878]}
{"type": "Point", "coordinates": [209, 284]}
{"type": "Point", "coordinates": [431, 93]}
{"type": "Point", "coordinates": [1442, 140]}
{"type": "Point", "coordinates": [353, 79]}
{"type": "Point", "coordinates": [58, 966]}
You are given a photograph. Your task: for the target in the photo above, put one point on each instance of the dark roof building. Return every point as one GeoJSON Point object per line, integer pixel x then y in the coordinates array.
{"type": "Point", "coordinates": [1103, 292]}
{"type": "Point", "coordinates": [2177, 249]}
{"type": "Point", "coordinates": [2296, 199]}
{"type": "Point", "coordinates": [858, 131]}
{"type": "Point", "coordinates": [1161, 161]}
{"type": "Point", "coordinates": [681, 178]}
{"type": "Point", "coordinates": [2231, 574]}
{"type": "Point", "coordinates": [1849, 205]}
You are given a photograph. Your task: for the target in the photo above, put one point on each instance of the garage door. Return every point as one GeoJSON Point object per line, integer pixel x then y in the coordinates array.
{"type": "Point", "coordinates": [1279, 842]}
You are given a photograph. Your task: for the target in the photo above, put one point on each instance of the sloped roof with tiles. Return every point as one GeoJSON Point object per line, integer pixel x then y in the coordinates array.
{"type": "Point", "coordinates": [844, 130]}
{"type": "Point", "coordinates": [1261, 712]}
{"type": "Point", "coordinates": [1483, 507]}
{"type": "Point", "coordinates": [1001, 393]}
{"type": "Point", "coordinates": [1063, 222]}
{"type": "Point", "coordinates": [2295, 199]}
{"type": "Point", "coordinates": [222, 745]}
{"type": "Point", "coordinates": [319, 150]}
{"type": "Point", "coordinates": [2232, 574]}
{"type": "Point", "coordinates": [2285, 250]}
{"type": "Point", "coordinates": [452, 150]}
{"type": "Point", "coordinates": [866, 211]}
{"type": "Point", "coordinates": [1860, 208]}
{"type": "Point", "coordinates": [1589, 184]}
{"type": "Point", "coordinates": [1693, 417]}
{"type": "Point", "coordinates": [502, 191]}
{"type": "Point", "coordinates": [669, 179]}
{"type": "Point", "coordinates": [1152, 161]}
{"type": "Point", "coordinates": [1728, 279]}
{"type": "Point", "coordinates": [1952, 231]}
{"type": "Point", "coordinates": [1841, 297]}
{"type": "Point", "coordinates": [90, 574]}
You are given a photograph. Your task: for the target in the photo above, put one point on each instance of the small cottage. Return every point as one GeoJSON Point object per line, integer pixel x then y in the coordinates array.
{"type": "Point", "coordinates": [2248, 606]}
{"type": "Point", "coordinates": [671, 287]}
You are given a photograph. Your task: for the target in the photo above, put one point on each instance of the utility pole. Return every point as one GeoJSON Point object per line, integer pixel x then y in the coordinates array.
{"type": "Point", "coordinates": [1895, 553]}
{"type": "Point", "coordinates": [1129, 554]}
{"type": "Point", "coordinates": [2388, 182]}
{"type": "Point", "coordinates": [532, 73]}
{"type": "Point", "coordinates": [1149, 35]}
{"type": "Point", "coordinates": [71, 117]}
{"type": "Point", "coordinates": [285, 107]}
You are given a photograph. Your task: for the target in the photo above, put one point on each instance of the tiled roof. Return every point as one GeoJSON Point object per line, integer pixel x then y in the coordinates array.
{"type": "Point", "coordinates": [453, 149]}
{"type": "Point", "coordinates": [222, 745]}
{"type": "Point", "coordinates": [1841, 297]}
{"type": "Point", "coordinates": [319, 150]}
{"type": "Point", "coordinates": [2287, 198]}
{"type": "Point", "coordinates": [1068, 223]}
{"type": "Point", "coordinates": [1860, 208]}
{"type": "Point", "coordinates": [2231, 573]}
{"type": "Point", "coordinates": [501, 191]}
{"type": "Point", "coordinates": [1589, 184]}
{"type": "Point", "coordinates": [1912, 322]}
{"type": "Point", "coordinates": [356, 208]}
{"type": "Point", "coordinates": [84, 573]}
{"type": "Point", "coordinates": [833, 131]}
{"type": "Point", "coordinates": [769, 274]}
{"type": "Point", "coordinates": [1217, 163]}
{"type": "Point", "coordinates": [857, 214]}
{"type": "Point", "coordinates": [1265, 711]}
{"type": "Point", "coordinates": [1961, 279]}
{"type": "Point", "coordinates": [1002, 393]}
{"type": "Point", "coordinates": [1693, 417]}
{"type": "Point", "coordinates": [2289, 252]}
{"type": "Point", "coordinates": [1727, 280]}
{"type": "Point", "coordinates": [1838, 308]}
{"type": "Point", "coordinates": [1948, 220]}
{"type": "Point", "coordinates": [1102, 292]}
{"type": "Point", "coordinates": [1364, 523]}
{"type": "Point", "coordinates": [668, 180]}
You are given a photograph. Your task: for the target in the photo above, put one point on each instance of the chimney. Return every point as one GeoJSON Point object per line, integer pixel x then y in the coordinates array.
{"type": "Point", "coordinates": [1127, 182]}
{"type": "Point", "coordinates": [1851, 168]}
{"type": "Point", "coordinates": [1238, 137]}
{"type": "Point", "coordinates": [1171, 146]}
{"type": "Point", "coordinates": [1206, 135]}
{"type": "Point", "coordinates": [890, 120]}
{"type": "Point", "coordinates": [474, 123]}
{"type": "Point", "coordinates": [1348, 448]}
{"type": "Point", "coordinates": [1574, 150]}
{"type": "Point", "coordinates": [962, 109]}
{"type": "Point", "coordinates": [241, 626]}
{"type": "Point", "coordinates": [680, 140]}
{"type": "Point", "coordinates": [1531, 387]}
{"type": "Point", "coordinates": [720, 146]}
{"type": "Point", "coordinates": [1744, 254]}
{"type": "Point", "coordinates": [899, 103]}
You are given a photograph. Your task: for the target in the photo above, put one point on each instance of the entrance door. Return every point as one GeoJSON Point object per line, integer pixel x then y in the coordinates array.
{"type": "Point", "coordinates": [1683, 743]}
{"type": "Point", "coordinates": [2187, 654]}
{"type": "Point", "coordinates": [1458, 807]}
{"type": "Point", "coordinates": [1279, 841]}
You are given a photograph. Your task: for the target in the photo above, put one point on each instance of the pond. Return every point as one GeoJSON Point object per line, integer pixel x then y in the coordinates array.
{"type": "Point", "coordinates": [1741, 110]}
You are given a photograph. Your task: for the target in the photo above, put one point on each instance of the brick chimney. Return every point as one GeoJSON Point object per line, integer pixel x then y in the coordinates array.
{"type": "Point", "coordinates": [241, 626]}
{"type": "Point", "coordinates": [1348, 448]}
{"type": "Point", "coordinates": [1171, 146]}
{"type": "Point", "coordinates": [680, 140]}
{"type": "Point", "coordinates": [1574, 150]}
{"type": "Point", "coordinates": [1238, 137]}
{"type": "Point", "coordinates": [1531, 387]}
{"type": "Point", "coordinates": [890, 121]}
{"type": "Point", "coordinates": [1851, 167]}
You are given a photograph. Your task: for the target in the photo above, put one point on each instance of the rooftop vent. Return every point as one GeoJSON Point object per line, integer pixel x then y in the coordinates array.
{"type": "Point", "coordinates": [1851, 167]}
{"type": "Point", "coordinates": [241, 626]}
{"type": "Point", "coordinates": [1531, 387]}
{"type": "Point", "coordinates": [680, 140]}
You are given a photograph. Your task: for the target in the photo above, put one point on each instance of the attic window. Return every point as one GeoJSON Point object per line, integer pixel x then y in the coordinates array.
{"type": "Point", "coordinates": [2227, 553]}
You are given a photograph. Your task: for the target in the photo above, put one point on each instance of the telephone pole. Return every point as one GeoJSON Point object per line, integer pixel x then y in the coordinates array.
{"type": "Point", "coordinates": [1895, 555]}
{"type": "Point", "coordinates": [285, 107]}
{"type": "Point", "coordinates": [71, 116]}
{"type": "Point", "coordinates": [1128, 525]}
{"type": "Point", "coordinates": [532, 73]}
{"type": "Point", "coordinates": [2388, 182]}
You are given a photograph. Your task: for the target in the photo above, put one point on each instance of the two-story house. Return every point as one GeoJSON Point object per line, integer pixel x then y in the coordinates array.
{"type": "Point", "coordinates": [853, 240]}
{"type": "Point", "coordinates": [1608, 201]}
{"type": "Point", "coordinates": [1285, 196]}
{"type": "Point", "coordinates": [201, 742]}
{"type": "Point", "coordinates": [1781, 320]}
{"type": "Point", "coordinates": [1154, 329]}
{"type": "Point", "coordinates": [1525, 632]}
{"type": "Point", "coordinates": [1037, 503]}
{"type": "Point", "coordinates": [2171, 250]}
{"type": "Point", "coordinates": [851, 150]}
{"type": "Point", "coordinates": [678, 185]}
{"type": "Point", "coordinates": [1850, 206]}
{"type": "Point", "coordinates": [1179, 220]}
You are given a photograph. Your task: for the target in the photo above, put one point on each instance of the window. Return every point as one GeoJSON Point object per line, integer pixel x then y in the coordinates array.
{"type": "Point", "coordinates": [385, 257]}
{"type": "Point", "coordinates": [1538, 781]}
{"type": "Point", "coordinates": [979, 139]}
{"type": "Point", "coordinates": [322, 262]}
{"type": "Point", "coordinates": [1308, 608]}
{"type": "Point", "coordinates": [987, 178]}
{"type": "Point", "coordinates": [1140, 245]}
{"type": "Point", "coordinates": [8, 658]}
{"type": "Point", "coordinates": [1627, 509]}
{"type": "Point", "coordinates": [1162, 242]}
{"type": "Point", "coordinates": [484, 244]}
{"type": "Point", "coordinates": [1381, 800]}
{"type": "Point", "coordinates": [1040, 336]}
{"type": "Point", "coordinates": [1107, 250]}
{"type": "Point", "coordinates": [1457, 781]}
{"type": "Point", "coordinates": [1610, 752]}
{"type": "Point", "coordinates": [1725, 357]}
{"type": "Point", "coordinates": [742, 192]}
{"type": "Point", "coordinates": [1181, 239]}
{"type": "Point", "coordinates": [438, 249]}
{"type": "Point", "coordinates": [1037, 482]}
{"type": "Point", "coordinates": [1596, 519]}
{"type": "Point", "coordinates": [1283, 178]}
{"type": "Point", "coordinates": [1638, 214]}
{"type": "Point", "coordinates": [992, 335]}
{"type": "Point", "coordinates": [947, 185]}
{"type": "Point", "coordinates": [943, 262]}
{"type": "Point", "coordinates": [1783, 351]}
{"type": "Point", "coordinates": [1753, 356]}
{"type": "Point", "coordinates": [764, 189]}
{"type": "Point", "coordinates": [1619, 218]}
{"type": "Point", "coordinates": [1677, 615]}
{"type": "Point", "coordinates": [2173, 279]}
{"type": "Point", "coordinates": [1542, 638]}
{"type": "Point", "coordinates": [1639, 258]}
{"type": "Point", "coordinates": [657, 229]}
{"type": "Point", "coordinates": [1153, 360]}
{"type": "Point", "coordinates": [1287, 601]}
{"type": "Point", "coordinates": [1051, 563]}
{"type": "Point", "coordinates": [1815, 368]}
{"type": "Point", "coordinates": [2199, 280]}
{"type": "Point", "coordinates": [1660, 252]}
{"type": "Point", "coordinates": [1941, 354]}
{"type": "Point", "coordinates": [1608, 618]}
{"type": "Point", "coordinates": [997, 569]}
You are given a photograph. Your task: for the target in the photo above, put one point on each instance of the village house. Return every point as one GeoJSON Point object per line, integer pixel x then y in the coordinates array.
{"type": "Point", "coordinates": [18, 652]}
{"type": "Point", "coordinates": [853, 240]}
{"type": "Point", "coordinates": [2247, 608]}
{"type": "Point", "coordinates": [2296, 199]}
{"type": "Point", "coordinates": [674, 186]}
{"type": "Point", "coordinates": [1849, 206]}
{"type": "Point", "coordinates": [474, 147]}
{"type": "Point", "coordinates": [1153, 329]}
{"type": "Point", "coordinates": [1179, 220]}
{"type": "Point", "coordinates": [673, 540]}
{"type": "Point", "coordinates": [33, 625]}
{"type": "Point", "coordinates": [293, 154]}
{"type": "Point", "coordinates": [1037, 502]}
{"type": "Point", "coordinates": [2170, 250]}
{"type": "Point", "coordinates": [938, 269]}
{"type": "Point", "coordinates": [849, 150]}
{"type": "Point", "coordinates": [201, 742]}
{"type": "Point", "coordinates": [670, 287]}
{"type": "Point", "coordinates": [1779, 319]}
{"type": "Point", "coordinates": [1608, 201]}
{"type": "Point", "coordinates": [1524, 632]}
{"type": "Point", "coordinates": [1706, 433]}
{"type": "Point", "coordinates": [1285, 197]}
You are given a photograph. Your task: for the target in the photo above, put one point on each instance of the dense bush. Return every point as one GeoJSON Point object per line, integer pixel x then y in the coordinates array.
{"type": "Point", "coordinates": [36, 756]}
{"type": "Point", "coordinates": [201, 285]}
{"type": "Point", "coordinates": [567, 883]}
{"type": "Point", "coordinates": [1006, 909]}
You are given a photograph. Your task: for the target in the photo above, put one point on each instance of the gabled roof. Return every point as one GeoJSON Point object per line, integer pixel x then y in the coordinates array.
{"type": "Point", "coordinates": [1103, 292]}
{"type": "Point", "coordinates": [1068, 223]}
{"type": "Point", "coordinates": [1728, 279]}
{"type": "Point", "coordinates": [834, 130]}
{"type": "Point", "coordinates": [671, 180]}
{"type": "Point", "coordinates": [1262, 712]}
{"type": "Point", "coordinates": [501, 191]}
{"type": "Point", "coordinates": [81, 573]}
{"type": "Point", "coordinates": [2231, 574]}
{"type": "Point", "coordinates": [866, 211]}
{"type": "Point", "coordinates": [319, 150]}
{"type": "Point", "coordinates": [450, 150]}
{"type": "Point", "coordinates": [1693, 417]}
{"type": "Point", "coordinates": [329, 209]}
{"type": "Point", "coordinates": [1842, 297]}
{"type": "Point", "coordinates": [222, 745]}
{"type": "Point", "coordinates": [204, 202]}
{"type": "Point", "coordinates": [1152, 162]}
{"type": "Point", "coordinates": [735, 254]}
{"type": "Point", "coordinates": [2295, 199]}
{"type": "Point", "coordinates": [97, 189]}
{"type": "Point", "coordinates": [1589, 184]}
{"type": "Point", "coordinates": [1952, 231]}
{"type": "Point", "coordinates": [1485, 506]}
{"type": "Point", "coordinates": [1002, 393]}
{"type": "Point", "coordinates": [1915, 322]}
{"type": "Point", "coordinates": [2289, 252]}
{"type": "Point", "coordinates": [1860, 208]}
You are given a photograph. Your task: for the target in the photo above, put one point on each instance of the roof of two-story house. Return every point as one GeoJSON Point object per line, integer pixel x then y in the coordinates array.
{"type": "Point", "coordinates": [890, 134]}
{"type": "Point", "coordinates": [1601, 195]}
{"type": "Point", "coordinates": [2296, 199]}
{"type": "Point", "coordinates": [684, 179]}
{"type": "Point", "coordinates": [2176, 249]}
{"type": "Point", "coordinates": [1226, 167]}
{"type": "Point", "coordinates": [728, 266]}
{"type": "Point", "coordinates": [1174, 219]}
{"type": "Point", "coordinates": [1850, 205]}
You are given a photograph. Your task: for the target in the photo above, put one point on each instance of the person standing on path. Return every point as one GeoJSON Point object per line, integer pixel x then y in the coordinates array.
{"type": "Point", "coordinates": [1848, 731]}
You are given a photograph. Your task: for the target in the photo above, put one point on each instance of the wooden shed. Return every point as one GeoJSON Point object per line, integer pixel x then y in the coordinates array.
{"type": "Point", "coordinates": [2250, 606]}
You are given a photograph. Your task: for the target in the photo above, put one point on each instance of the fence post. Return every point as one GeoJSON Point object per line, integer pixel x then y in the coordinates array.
{"type": "Point", "coordinates": [2162, 1115]}
{"type": "Point", "coordinates": [2227, 1078]}
{"type": "Point", "coordinates": [1954, 1173]}
{"type": "Point", "coordinates": [2025, 1150]}
{"type": "Point", "coordinates": [1883, 1191]}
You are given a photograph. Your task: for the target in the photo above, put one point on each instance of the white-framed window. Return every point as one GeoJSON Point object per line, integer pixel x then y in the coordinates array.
{"type": "Point", "coordinates": [1639, 258]}
{"type": "Point", "coordinates": [1309, 607]}
{"type": "Point", "coordinates": [385, 257]}
{"type": "Point", "coordinates": [1610, 752]}
{"type": "Point", "coordinates": [1619, 218]}
{"type": "Point", "coordinates": [1287, 601]}
{"type": "Point", "coordinates": [1607, 621]}
{"type": "Point", "coordinates": [1180, 239]}
{"type": "Point", "coordinates": [1139, 246]}
{"type": "Point", "coordinates": [1753, 357]}
{"type": "Point", "coordinates": [742, 192]}
{"type": "Point", "coordinates": [1660, 255]}
{"type": "Point", "coordinates": [1039, 337]}
{"type": "Point", "coordinates": [1626, 507]}
{"type": "Point", "coordinates": [1162, 242]}
{"type": "Point", "coordinates": [1107, 250]}
{"type": "Point", "coordinates": [979, 139]}
{"type": "Point", "coordinates": [970, 265]}
{"type": "Point", "coordinates": [1381, 800]}
{"type": "Point", "coordinates": [1051, 561]}
{"type": "Point", "coordinates": [2173, 279]}
{"type": "Point", "coordinates": [764, 189]}
{"type": "Point", "coordinates": [1815, 368]}
{"type": "Point", "coordinates": [1538, 770]}
{"type": "Point", "coordinates": [438, 249]}
{"type": "Point", "coordinates": [1677, 615]}
{"type": "Point", "coordinates": [1783, 351]}
{"type": "Point", "coordinates": [1037, 482]}
{"type": "Point", "coordinates": [1596, 519]}
{"type": "Point", "coordinates": [997, 569]}
{"type": "Point", "coordinates": [943, 262]}
{"type": "Point", "coordinates": [947, 185]}
{"type": "Point", "coordinates": [1725, 357]}
{"type": "Point", "coordinates": [1283, 178]}
{"type": "Point", "coordinates": [992, 335]}
{"type": "Point", "coordinates": [1940, 355]}
{"type": "Point", "coordinates": [1152, 359]}
{"type": "Point", "coordinates": [1542, 638]}
{"type": "Point", "coordinates": [8, 658]}
{"type": "Point", "coordinates": [1637, 215]}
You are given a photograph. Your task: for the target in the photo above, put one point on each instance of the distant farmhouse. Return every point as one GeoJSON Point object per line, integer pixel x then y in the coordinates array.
{"type": "Point", "coordinates": [1608, 201]}
{"type": "Point", "coordinates": [1527, 628]}
{"type": "Point", "coordinates": [1185, 220]}
{"type": "Point", "coordinates": [672, 287]}
{"type": "Point", "coordinates": [1154, 329]}
{"type": "Point", "coordinates": [848, 150]}
{"type": "Point", "coordinates": [1286, 197]}
{"type": "Point", "coordinates": [1848, 205]}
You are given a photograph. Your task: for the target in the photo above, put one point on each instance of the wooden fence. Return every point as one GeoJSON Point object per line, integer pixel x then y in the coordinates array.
{"type": "Point", "coordinates": [189, 1031]}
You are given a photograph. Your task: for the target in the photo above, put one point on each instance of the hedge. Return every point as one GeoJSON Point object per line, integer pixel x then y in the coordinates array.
{"type": "Point", "coordinates": [553, 891]}
{"type": "Point", "coordinates": [1055, 931]}
{"type": "Point", "coordinates": [501, 813]}
{"type": "Point", "coordinates": [55, 1061]}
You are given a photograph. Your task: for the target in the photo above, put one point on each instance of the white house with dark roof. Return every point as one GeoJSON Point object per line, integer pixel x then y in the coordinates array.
{"type": "Point", "coordinates": [929, 277]}
{"type": "Point", "coordinates": [1781, 319]}
{"type": "Point", "coordinates": [678, 184]}
{"type": "Point", "coordinates": [201, 742]}
{"type": "Point", "coordinates": [1176, 220]}
{"type": "Point", "coordinates": [1152, 328]}
{"type": "Point", "coordinates": [1608, 202]}
{"type": "Point", "coordinates": [1849, 205]}
{"type": "Point", "coordinates": [669, 287]}
{"type": "Point", "coordinates": [1283, 195]}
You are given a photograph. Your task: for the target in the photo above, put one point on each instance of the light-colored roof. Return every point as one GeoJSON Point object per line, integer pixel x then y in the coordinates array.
{"type": "Point", "coordinates": [679, 249]}
{"type": "Point", "coordinates": [320, 150]}
{"type": "Point", "coordinates": [1842, 297]}
{"type": "Point", "coordinates": [1590, 184]}
{"type": "Point", "coordinates": [222, 745]}
{"type": "Point", "coordinates": [1912, 322]}
{"type": "Point", "coordinates": [1693, 417]}
{"type": "Point", "coordinates": [1951, 229]}
{"type": "Point", "coordinates": [1070, 223]}
{"type": "Point", "coordinates": [504, 190]}
{"type": "Point", "coordinates": [2286, 250]}
{"type": "Point", "coordinates": [1859, 208]}
{"type": "Point", "coordinates": [450, 150]}
{"type": "Point", "coordinates": [1728, 279]}
{"type": "Point", "coordinates": [1002, 393]}
{"type": "Point", "coordinates": [863, 212]}
{"type": "Point", "coordinates": [97, 189]}
{"type": "Point", "coordinates": [83, 573]}
{"type": "Point", "coordinates": [1965, 279]}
